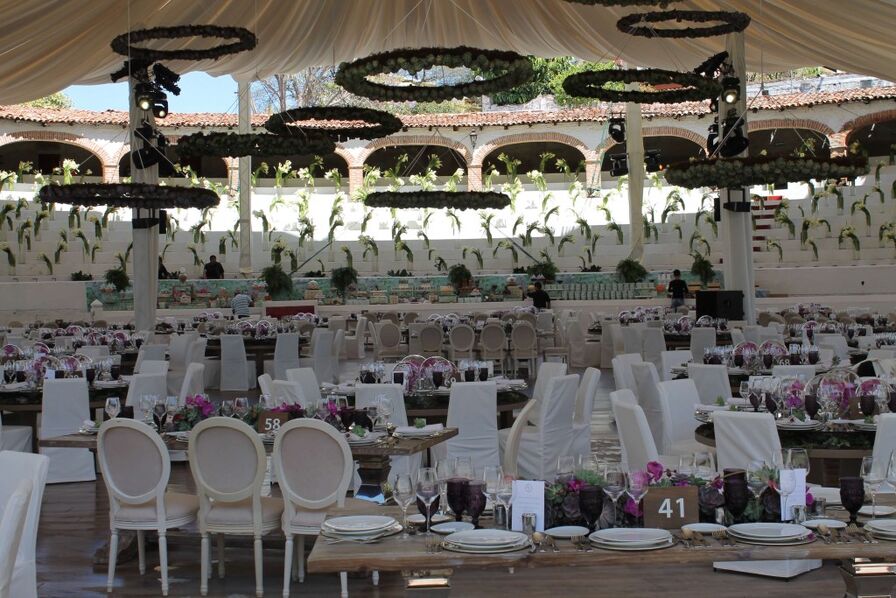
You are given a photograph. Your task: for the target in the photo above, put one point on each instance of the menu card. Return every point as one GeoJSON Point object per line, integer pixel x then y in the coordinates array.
{"type": "Point", "coordinates": [796, 479]}
{"type": "Point", "coordinates": [528, 497]}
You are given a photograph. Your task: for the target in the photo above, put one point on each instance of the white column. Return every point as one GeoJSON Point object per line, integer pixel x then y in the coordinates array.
{"type": "Point", "coordinates": [737, 227]}
{"type": "Point", "coordinates": [245, 181]}
{"type": "Point", "coordinates": [145, 276]}
{"type": "Point", "coordinates": [634, 147]}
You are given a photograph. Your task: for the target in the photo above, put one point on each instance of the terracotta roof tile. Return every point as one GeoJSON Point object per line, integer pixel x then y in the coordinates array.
{"type": "Point", "coordinates": [478, 119]}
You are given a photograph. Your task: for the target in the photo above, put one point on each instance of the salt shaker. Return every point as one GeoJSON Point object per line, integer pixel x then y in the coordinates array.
{"type": "Point", "coordinates": [528, 523]}
{"type": "Point", "coordinates": [799, 513]}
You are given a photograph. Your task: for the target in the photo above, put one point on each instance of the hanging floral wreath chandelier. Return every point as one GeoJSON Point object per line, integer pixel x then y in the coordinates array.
{"type": "Point", "coordinates": [513, 70]}
{"type": "Point", "coordinates": [591, 84]}
{"type": "Point", "coordinates": [253, 144]}
{"type": "Point", "coordinates": [124, 43]}
{"type": "Point", "coordinates": [129, 195]}
{"type": "Point", "coordinates": [458, 200]}
{"type": "Point", "coordinates": [373, 123]}
{"type": "Point", "coordinates": [745, 172]}
{"type": "Point", "coordinates": [641, 24]}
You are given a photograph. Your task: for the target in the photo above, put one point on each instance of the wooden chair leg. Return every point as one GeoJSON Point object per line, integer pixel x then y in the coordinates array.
{"type": "Point", "coordinates": [287, 565]}
{"type": "Point", "coordinates": [141, 551]}
{"type": "Point", "coordinates": [113, 555]}
{"type": "Point", "coordinates": [163, 560]}
{"type": "Point", "coordinates": [220, 540]}
{"type": "Point", "coordinates": [204, 565]}
{"type": "Point", "coordinates": [259, 571]}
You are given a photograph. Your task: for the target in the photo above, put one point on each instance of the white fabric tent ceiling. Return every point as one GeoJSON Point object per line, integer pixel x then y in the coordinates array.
{"type": "Point", "coordinates": [47, 45]}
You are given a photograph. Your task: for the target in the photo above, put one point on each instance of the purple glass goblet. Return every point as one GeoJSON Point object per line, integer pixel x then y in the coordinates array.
{"type": "Point", "coordinates": [475, 500]}
{"type": "Point", "coordinates": [852, 495]}
{"type": "Point", "coordinates": [457, 496]}
{"type": "Point", "coordinates": [591, 502]}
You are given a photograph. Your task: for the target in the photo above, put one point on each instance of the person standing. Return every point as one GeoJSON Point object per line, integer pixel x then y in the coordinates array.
{"type": "Point", "coordinates": [540, 298]}
{"type": "Point", "coordinates": [677, 289]}
{"type": "Point", "coordinates": [240, 304]}
{"type": "Point", "coordinates": [163, 271]}
{"type": "Point", "coordinates": [213, 269]}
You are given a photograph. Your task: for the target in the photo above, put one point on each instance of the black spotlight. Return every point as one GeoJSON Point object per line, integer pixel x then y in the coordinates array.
{"type": "Point", "coordinates": [735, 141]}
{"type": "Point", "coordinates": [617, 129]}
{"type": "Point", "coordinates": [146, 157]}
{"type": "Point", "coordinates": [730, 89]}
{"type": "Point", "coordinates": [144, 96]}
{"type": "Point", "coordinates": [619, 164]}
{"type": "Point", "coordinates": [652, 160]}
{"type": "Point", "coordinates": [160, 107]}
{"type": "Point", "coordinates": [712, 139]}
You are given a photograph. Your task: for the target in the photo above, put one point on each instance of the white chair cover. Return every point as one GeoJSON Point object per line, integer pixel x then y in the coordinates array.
{"type": "Point", "coordinates": [336, 355]}
{"type": "Point", "coordinates": [194, 382]}
{"type": "Point", "coordinates": [151, 366]}
{"type": "Point", "coordinates": [12, 527]}
{"type": "Point", "coordinates": [145, 384]}
{"type": "Point", "coordinates": [509, 440]}
{"type": "Point", "coordinates": [366, 396]}
{"type": "Point", "coordinates": [743, 436]}
{"type": "Point", "coordinates": [286, 392]}
{"type": "Point", "coordinates": [178, 347]}
{"type": "Point", "coordinates": [322, 356]}
{"type": "Point", "coordinates": [638, 448]}
{"type": "Point", "coordinates": [671, 359]}
{"type": "Point", "coordinates": [237, 372]}
{"type": "Point", "coordinates": [65, 406]}
{"type": "Point", "coordinates": [149, 353]}
{"type": "Point", "coordinates": [547, 371]}
{"type": "Point", "coordinates": [884, 442]}
{"type": "Point", "coordinates": [471, 409]}
{"type": "Point", "coordinates": [308, 385]}
{"type": "Point", "coordinates": [702, 338]}
{"type": "Point", "coordinates": [17, 467]}
{"type": "Point", "coordinates": [632, 339]}
{"type": "Point", "coordinates": [95, 353]}
{"type": "Point", "coordinates": [15, 438]}
{"type": "Point", "coordinates": [286, 355]}
{"type": "Point", "coordinates": [646, 380]}
{"type": "Point", "coordinates": [579, 355]}
{"type": "Point", "coordinates": [677, 399]}
{"type": "Point", "coordinates": [622, 370]}
{"type": "Point", "coordinates": [581, 421]}
{"type": "Point", "coordinates": [654, 344]}
{"type": "Point", "coordinates": [835, 342]}
{"type": "Point", "coordinates": [354, 343]}
{"type": "Point", "coordinates": [737, 336]}
{"type": "Point", "coordinates": [711, 381]}
{"type": "Point", "coordinates": [803, 372]}
{"type": "Point", "coordinates": [430, 337]}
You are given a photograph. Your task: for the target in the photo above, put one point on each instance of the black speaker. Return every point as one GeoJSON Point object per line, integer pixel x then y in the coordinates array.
{"type": "Point", "coordinates": [721, 304]}
{"type": "Point", "coordinates": [163, 222]}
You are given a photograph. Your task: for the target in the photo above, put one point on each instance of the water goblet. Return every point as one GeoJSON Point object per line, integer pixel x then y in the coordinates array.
{"type": "Point", "coordinates": [873, 475]}
{"type": "Point", "coordinates": [115, 371]}
{"type": "Point", "coordinates": [704, 465]}
{"type": "Point", "coordinates": [504, 496]}
{"type": "Point", "coordinates": [241, 407]}
{"type": "Point", "coordinates": [384, 408]}
{"type": "Point", "coordinates": [735, 492]}
{"type": "Point", "coordinates": [757, 478]}
{"type": "Point", "coordinates": [614, 485]}
{"type": "Point", "coordinates": [475, 500]}
{"type": "Point", "coordinates": [227, 408]}
{"type": "Point", "coordinates": [852, 495]}
{"type": "Point", "coordinates": [404, 493]}
{"type": "Point", "coordinates": [463, 467]}
{"type": "Point", "coordinates": [158, 411]}
{"type": "Point", "coordinates": [492, 476]}
{"type": "Point", "coordinates": [445, 471]}
{"type": "Point", "coordinates": [171, 407]}
{"type": "Point", "coordinates": [427, 491]}
{"type": "Point", "coordinates": [146, 405]}
{"type": "Point", "coordinates": [566, 465]}
{"type": "Point", "coordinates": [113, 407]}
{"type": "Point", "coordinates": [590, 504]}
{"type": "Point", "coordinates": [786, 486]}
{"type": "Point", "coordinates": [456, 492]}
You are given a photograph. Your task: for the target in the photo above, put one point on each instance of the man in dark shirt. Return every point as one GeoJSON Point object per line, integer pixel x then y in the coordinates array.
{"type": "Point", "coordinates": [677, 289]}
{"type": "Point", "coordinates": [540, 299]}
{"type": "Point", "coordinates": [214, 269]}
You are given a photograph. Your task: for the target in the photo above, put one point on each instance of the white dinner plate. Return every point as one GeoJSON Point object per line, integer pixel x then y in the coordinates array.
{"type": "Point", "coordinates": [704, 528]}
{"type": "Point", "coordinates": [622, 535]}
{"type": "Point", "coordinates": [878, 511]}
{"type": "Point", "coordinates": [808, 538]}
{"type": "Point", "coordinates": [450, 527]}
{"type": "Point", "coordinates": [767, 531]}
{"type": "Point", "coordinates": [486, 537]}
{"type": "Point", "coordinates": [831, 523]}
{"type": "Point", "coordinates": [636, 548]}
{"type": "Point", "coordinates": [358, 524]}
{"type": "Point", "coordinates": [418, 519]}
{"type": "Point", "coordinates": [471, 550]}
{"type": "Point", "coordinates": [795, 424]}
{"type": "Point", "coordinates": [567, 531]}
{"type": "Point", "coordinates": [886, 527]}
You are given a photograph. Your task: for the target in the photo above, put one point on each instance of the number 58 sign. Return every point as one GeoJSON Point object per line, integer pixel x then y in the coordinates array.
{"type": "Point", "coordinates": [670, 508]}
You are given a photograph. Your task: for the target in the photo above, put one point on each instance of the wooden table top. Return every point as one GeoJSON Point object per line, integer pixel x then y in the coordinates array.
{"type": "Point", "coordinates": [397, 446]}
{"type": "Point", "coordinates": [394, 554]}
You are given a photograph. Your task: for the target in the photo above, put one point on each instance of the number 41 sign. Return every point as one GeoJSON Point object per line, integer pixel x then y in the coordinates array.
{"type": "Point", "coordinates": [670, 508]}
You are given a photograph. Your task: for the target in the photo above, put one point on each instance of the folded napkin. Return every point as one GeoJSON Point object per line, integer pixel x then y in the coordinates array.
{"type": "Point", "coordinates": [415, 431]}
{"type": "Point", "coordinates": [13, 386]}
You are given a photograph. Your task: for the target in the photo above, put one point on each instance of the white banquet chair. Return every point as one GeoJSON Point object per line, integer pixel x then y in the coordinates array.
{"type": "Point", "coordinates": [471, 409]}
{"type": "Point", "coordinates": [193, 384]}
{"type": "Point", "coordinates": [64, 408]}
{"type": "Point", "coordinates": [387, 340]}
{"type": "Point", "coordinates": [638, 448]}
{"type": "Point", "coordinates": [580, 354]}
{"type": "Point", "coordinates": [654, 345]}
{"type": "Point", "coordinates": [711, 381]}
{"type": "Point", "coordinates": [677, 399]}
{"type": "Point", "coordinates": [149, 353]}
{"type": "Point", "coordinates": [622, 370]}
{"type": "Point", "coordinates": [336, 354]}
{"type": "Point", "coordinates": [632, 339]}
{"type": "Point", "coordinates": [737, 336]}
{"type": "Point", "coordinates": [701, 339]}
{"type": "Point", "coordinates": [322, 356]}
{"type": "Point", "coordinates": [354, 343]}
{"type": "Point", "coordinates": [510, 448]}
{"type": "Point", "coordinates": [12, 527]}
{"type": "Point", "coordinates": [461, 339]}
{"type": "Point", "coordinates": [581, 419]}
{"type": "Point", "coordinates": [94, 352]}
{"type": "Point", "coordinates": [523, 346]}
{"type": "Point", "coordinates": [308, 384]}
{"type": "Point", "coordinates": [237, 372]}
{"type": "Point", "coordinates": [884, 445]}
{"type": "Point", "coordinates": [836, 343]}
{"type": "Point", "coordinates": [493, 344]}
{"type": "Point", "coordinates": [286, 355]}
{"type": "Point", "coordinates": [547, 371]}
{"type": "Point", "coordinates": [178, 371]}
{"type": "Point", "coordinates": [145, 385]}
{"type": "Point", "coordinates": [152, 366]}
{"type": "Point", "coordinates": [430, 337]}
{"type": "Point", "coordinates": [648, 395]}
{"type": "Point", "coordinates": [136, 468]}
{"type": "Point", "coordinates": [286, 392]}
{"type": "Point", "coordinates": [367, 395]}
{"type": "Point", "coordinates": [310, 493]}
{"type": "Point", "coordinates": [15, 438]}
{"type": "Point", "coordinates": [540, 446]}
{"type": "Point", "coordinates": [673, 359]}
{"type": "Point", "coordinates": [17, 467]}
{"type": "Point", "coordinates": [228, 463]}
{"type": "Point", "coordinates": [264, 384]}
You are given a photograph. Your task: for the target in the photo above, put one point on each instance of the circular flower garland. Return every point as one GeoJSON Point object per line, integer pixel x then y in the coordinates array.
{"type": "Point", "coordinates": [129, 195]}
{"type": "Point", "coordinates": [377, 122]}
{"type": "Point", "coordinates": [590, 84]}
{"type": "Point", "coordinates": [252, 144]}
{"type": "Point", "coordinates": [732, 22]}
{"type": "Point", "coordinates": [745, 172]}
{"type": "Point", "coordinates": [123, 44]}
{"type": "Point", "coordinates": [352, 76]}
{"type": "Point", "coordinates": [458, 200]}
{"type": "Point", "coordinates": [660, 3]}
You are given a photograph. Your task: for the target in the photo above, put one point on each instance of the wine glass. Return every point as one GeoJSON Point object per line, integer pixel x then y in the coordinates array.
{"type": "Point", "coordinates": [456, 493]}
{"type": "Point", "coordinates": [757, 479]}
{"type": "Point", "coordinates": [403, 492]}
{"type": "Point", "coordinates": [492, 475]}
{"type": "Point", "coordinates": [227, 408]}
{"type": "Point", "coordinates": [147, 402]}
{"type": "Point", "coordinates": [475, 500]}
{"type": "Point", "coordinates": [686, 465]}
{"type": "Point", "coordinates": [427, 490]}
{"type": "Point", "coordinates": [566, 465]}
{"type": "Point", "coordinates": [463, 467]}
{"type": "Point", "coordinates": [636, 487]}
{"type": "Point", "coordinates": [797, 458]}
{"type": "Point", "coordinates": [170, 408]}
{"type": "Point", "coordinates": [704, 465]}
{"type": "Point", "coordinates": [384, 408]}
{"type": "Point", "coordinates": [158, 411]}
{"type": "Point", "coordinates": [852, 495]}
{"type": "Point", "coordinates": [241, 407]}
{"type": "Point", "coordinates": [113, 407]}
{"type": "Point", "coordinates": [504, 495]}
{"type": "Point", "coordinates": [445, 471]}
{"type": "Point", "coordinates": [745, 389]}
{"type": "Point", "coordinates": [590, 503]}
{"type": "Point", "coordinates": [614, 485]}
{"type": "Point", "coordinates": [872, 476]}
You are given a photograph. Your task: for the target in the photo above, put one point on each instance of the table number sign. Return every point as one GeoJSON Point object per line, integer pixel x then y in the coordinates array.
{"type": "Point", "coordinates": [528, 497]}
{"type": "Point", "coordinates": [670, 508]}
{"type": "Point", "coordinates": [269, 422]}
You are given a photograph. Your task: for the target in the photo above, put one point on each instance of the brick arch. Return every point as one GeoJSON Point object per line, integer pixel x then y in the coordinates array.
{"type": "Point", "coordinates": [407, 140]}
{"type": "Point", "coordinates": [657, 132]}
{"type": "Point", "coordinates": [868, 119]}
{"type": "Point", "coordinates": [789, 123]}
{"type": "Point", "coordinates": [534, 137]}
{"type": "Point", "coordinates": [345, 155]}
{"type": "Point", "coordinates": [69, 138]}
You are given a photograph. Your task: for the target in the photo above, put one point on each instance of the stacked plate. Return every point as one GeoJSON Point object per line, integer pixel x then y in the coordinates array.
{"type": "Point", "coordinates": [485, 541]}
{"type": "Point", "coordinates": [771, 534]}
{"type": "Point", "coordinates": [792, 423]}
{"type": "Point", "coordinates": [369, 438]}
{"type": "Point", "coordinates": [627, 539]}
{"type": "Point", "coordinates": [360, 528]}
{"type": "Point", "coordinates": [884, 529]}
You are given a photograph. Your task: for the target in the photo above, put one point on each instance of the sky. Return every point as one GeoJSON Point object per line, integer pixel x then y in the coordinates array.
{"type": "Point", "coordinates": [199, 93]}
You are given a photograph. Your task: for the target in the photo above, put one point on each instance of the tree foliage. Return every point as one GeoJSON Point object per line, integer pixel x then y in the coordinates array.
{"type": "Point", "coordinates": [548, 80]}
{"type": "Point", "coordinates": [56, 100]}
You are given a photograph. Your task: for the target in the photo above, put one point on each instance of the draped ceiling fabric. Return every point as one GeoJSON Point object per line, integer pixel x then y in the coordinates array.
{"type": "Point", "coordinates": [47, 45]}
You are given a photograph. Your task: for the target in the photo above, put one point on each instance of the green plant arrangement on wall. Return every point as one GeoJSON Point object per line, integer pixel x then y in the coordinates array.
{"type": "Point", "coordinates": [278, 281]}
{"type": "Point", "coordinates": [118, 278]}
{"type": "Point", "coordinates": [343, 278]}
{"type": "Point", "coordinates": [629, 270]}
{"type": "Point", "coordinates": [702, 268]}
{"type": "Point", "coordinates": [546, 269]}
{"type": "Point", "coordinates": [459, 276]}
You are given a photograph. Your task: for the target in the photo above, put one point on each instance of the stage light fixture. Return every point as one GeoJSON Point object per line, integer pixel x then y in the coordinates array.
{"type": "Point", "coordinates": [619, 165]}
{"type": "Point", "coordinates": [712, 139]}
{"type": "Point", "coordinates": [160, 107]}
{"type": "Point", "coordinates": [144, 96]}
{"type": "Point", "coordinates": [730, 89]}
{"type": "Point", "coordinates": [617, 129]}
{"type": "Point", "coordinates": [145, 158]}
{"type": "Point", "coordinates": [652, 160]}
{"type": "Point", "coordinates": [735, 142]}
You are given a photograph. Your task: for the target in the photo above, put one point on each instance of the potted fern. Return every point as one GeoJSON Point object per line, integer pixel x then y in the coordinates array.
{"type": "Point", "coordinates": [702, 268]}
{"type": "Point", "coordinates": [460, 278]}
{"type": "Point", "coordinates": [278, 282]}
{"type": "Point", "coordinates": [629, 270]}
{"type": "Point", "coordinates": [117, 279]}
{"type": "Point", "coordinates": [341, 279]}
{"type": "Point", "coordinates": [546, 269]}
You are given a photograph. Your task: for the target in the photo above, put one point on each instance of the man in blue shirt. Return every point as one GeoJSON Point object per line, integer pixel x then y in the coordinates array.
{"type": "Point", "coordinates": [240, 304]}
